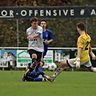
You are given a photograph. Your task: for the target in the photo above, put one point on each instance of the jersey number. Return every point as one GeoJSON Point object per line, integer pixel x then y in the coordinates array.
{"type": "Point", "coordinates": [87, 44]}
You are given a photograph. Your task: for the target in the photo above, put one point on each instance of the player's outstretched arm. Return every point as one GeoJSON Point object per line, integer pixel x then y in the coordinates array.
{"type": "Point", "coordinates": [92, 54]}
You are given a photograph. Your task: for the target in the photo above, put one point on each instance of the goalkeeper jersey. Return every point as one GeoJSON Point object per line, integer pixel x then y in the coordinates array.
{"type": "Point", "coordinates": [84, 43]}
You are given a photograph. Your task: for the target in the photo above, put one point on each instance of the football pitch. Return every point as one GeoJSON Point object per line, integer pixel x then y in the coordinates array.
{"type": "Point", "coordinates": [67, 84]}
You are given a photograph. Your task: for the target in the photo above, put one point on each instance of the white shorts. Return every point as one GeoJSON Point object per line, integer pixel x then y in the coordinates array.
{"type": "Point", "coordinates": [71, 63]}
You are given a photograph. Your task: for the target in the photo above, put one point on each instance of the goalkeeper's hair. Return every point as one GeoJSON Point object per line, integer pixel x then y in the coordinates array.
{"type": "Point", "coordinates": [81, 26]}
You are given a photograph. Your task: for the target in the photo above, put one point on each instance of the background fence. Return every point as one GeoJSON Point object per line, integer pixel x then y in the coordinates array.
{"type": "Point", "coordinates": [61, 20]}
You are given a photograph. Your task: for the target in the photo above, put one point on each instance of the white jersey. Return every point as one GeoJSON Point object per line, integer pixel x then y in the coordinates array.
{"type": "Point", "coordinates": [37, 43]}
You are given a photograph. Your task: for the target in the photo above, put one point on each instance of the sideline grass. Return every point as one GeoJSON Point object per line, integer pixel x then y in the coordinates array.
{"type": "Point", "coordinates": [67, 84]}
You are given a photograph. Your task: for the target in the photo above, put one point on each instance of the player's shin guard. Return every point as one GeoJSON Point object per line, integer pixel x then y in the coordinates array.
{"type": "Point", "coordinates": [58, 71]}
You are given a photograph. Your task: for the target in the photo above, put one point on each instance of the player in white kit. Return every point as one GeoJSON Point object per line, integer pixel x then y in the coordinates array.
{"type": "Point", "coordinates": [35, 47]}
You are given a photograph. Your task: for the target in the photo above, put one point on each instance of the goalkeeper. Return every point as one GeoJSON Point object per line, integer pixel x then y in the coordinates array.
{"type": "Point", "coordinates": [83, 53]}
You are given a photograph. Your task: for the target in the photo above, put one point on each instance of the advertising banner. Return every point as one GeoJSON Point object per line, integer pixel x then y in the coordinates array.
{"type": "Point", "coordinates": [23, 58]}
{"type": "Point", "coordinates": [7, 58]}
{"type": "Point", "coordinates": [48, 59]}
{"type": "Point", "coordinates": [48, 12]}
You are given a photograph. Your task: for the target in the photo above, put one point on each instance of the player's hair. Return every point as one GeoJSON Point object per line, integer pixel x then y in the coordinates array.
{"type": "Point", "coordinates": [81, 26]}
{"type": "Point", "coordinates": [35, 19]}
{"type": "Point", "coordinates": [43, 20]}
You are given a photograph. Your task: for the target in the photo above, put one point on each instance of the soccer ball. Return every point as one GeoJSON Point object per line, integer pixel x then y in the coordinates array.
{"type": "Point", "coordinates": [52, 67]}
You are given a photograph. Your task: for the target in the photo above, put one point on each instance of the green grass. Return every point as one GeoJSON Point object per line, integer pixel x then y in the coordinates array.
{"type": "Point", "coordinates": [67, 84]}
